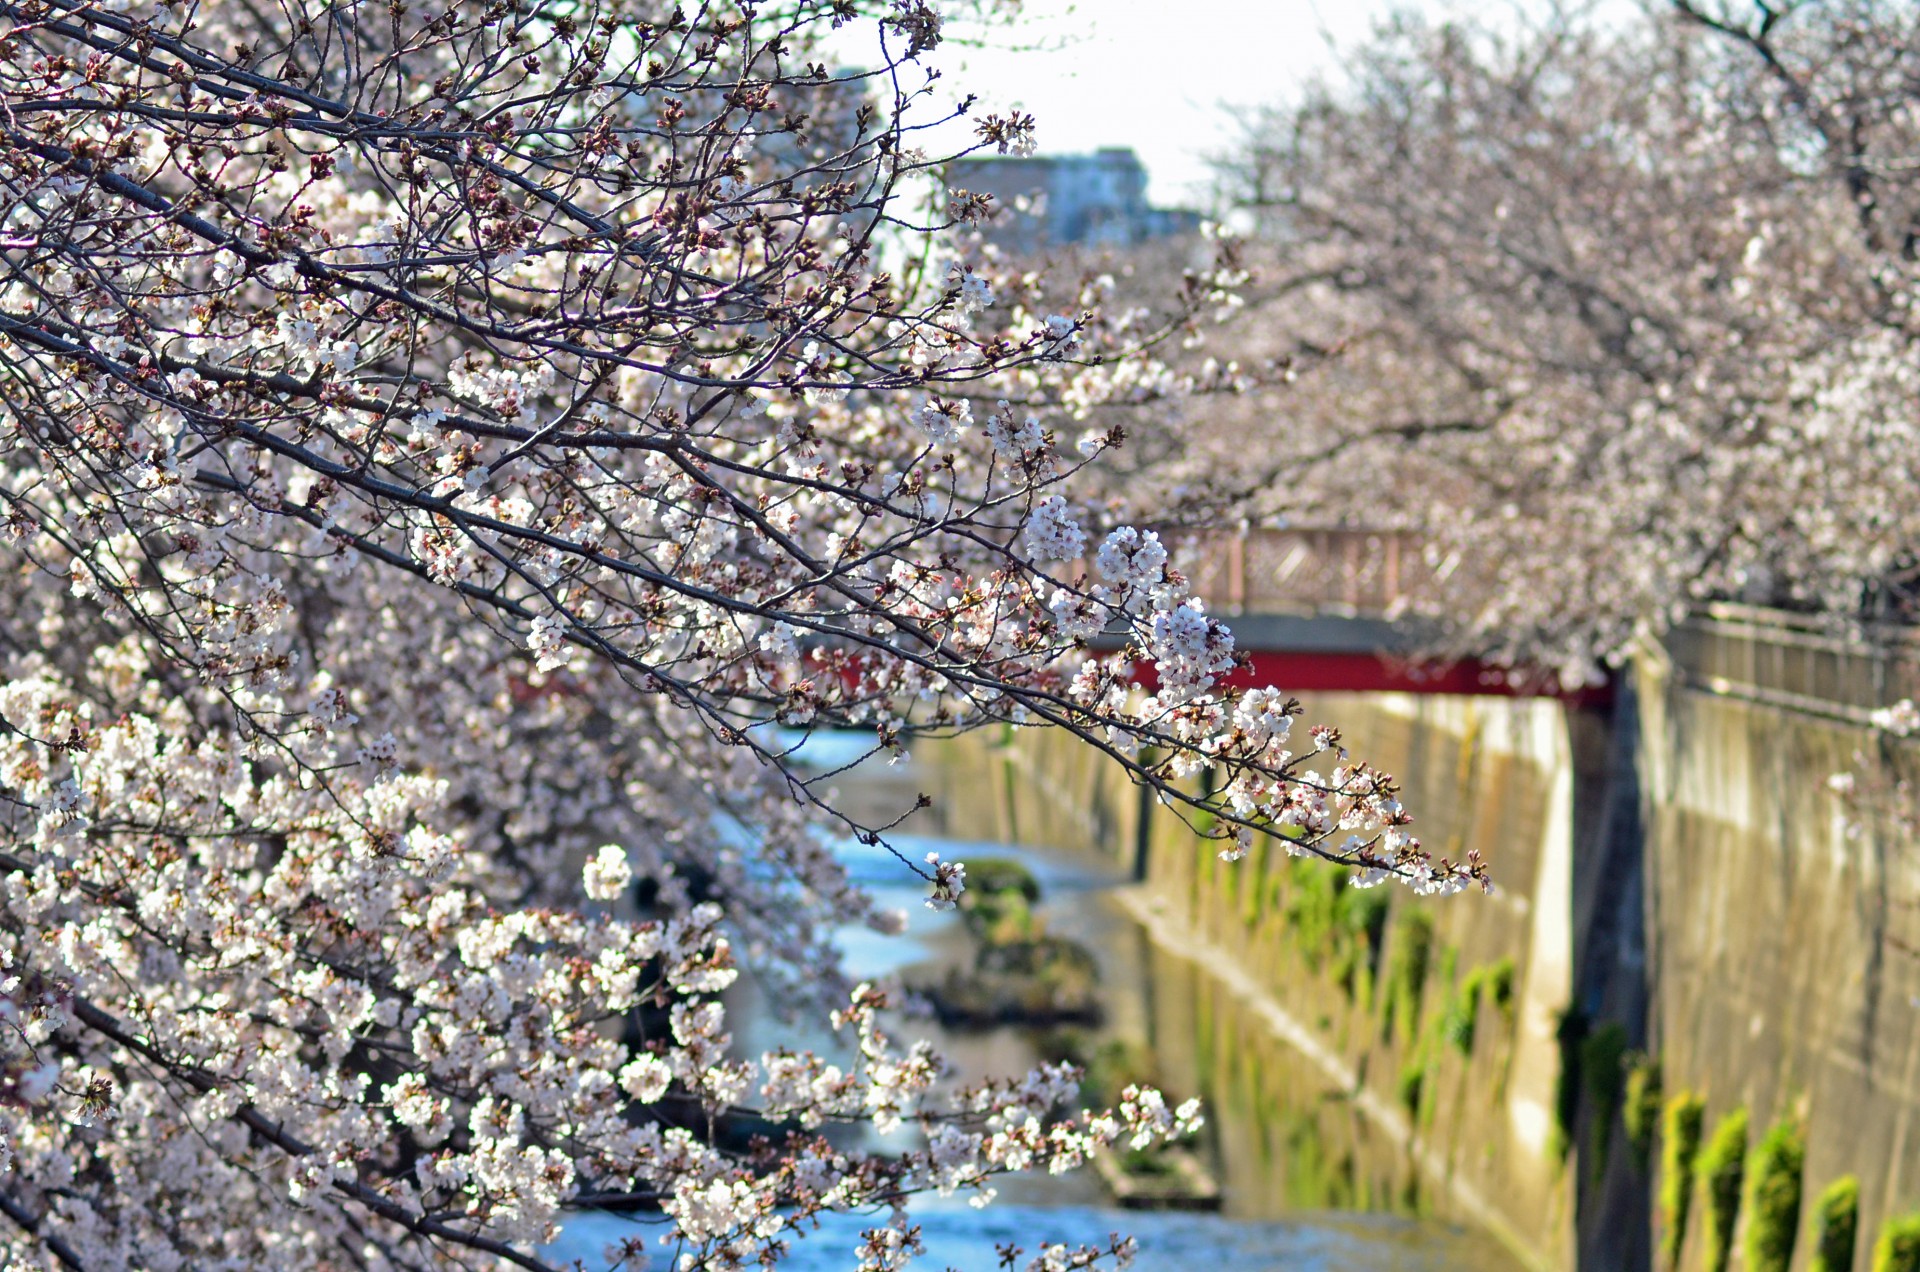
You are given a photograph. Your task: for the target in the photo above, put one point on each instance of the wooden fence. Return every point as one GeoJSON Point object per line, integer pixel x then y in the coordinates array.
{"type": "Point", "coordinates": [1296, 571]}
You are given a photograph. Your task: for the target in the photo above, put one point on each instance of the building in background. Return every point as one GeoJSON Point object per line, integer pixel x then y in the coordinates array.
{"type": "Point", "coordinates": [1054, 200]}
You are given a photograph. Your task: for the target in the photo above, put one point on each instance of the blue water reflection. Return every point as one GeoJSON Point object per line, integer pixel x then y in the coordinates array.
{"type": "Point", "coordinates": [957, 1236]}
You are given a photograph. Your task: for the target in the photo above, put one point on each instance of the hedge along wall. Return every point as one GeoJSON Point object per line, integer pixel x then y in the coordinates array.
{"type": "Point", "coordinates": [1779, 944]}
{"type": "Point", "coordinates": [1451, 1008]}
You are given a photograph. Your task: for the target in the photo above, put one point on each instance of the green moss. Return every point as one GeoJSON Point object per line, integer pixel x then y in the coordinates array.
{"type": "Point", "coordinates": [1640, 1105]}
{"type": "Point", "coordinates": [1836, 1226]}
{"type": "Point", "coordinates": [1461, 1018]}
{"type": "Point", "coordinates": [1360, 988]}
{"type": "Point", "coordinates": [999, 918]}
{"type": "Point", "coordinates": [1312, 904]}
{"type": "Point", "coordinates": [1603, 1071]}
{"type": "Point", "coordinates": [1253, 897]}
{"type": "Point", "coordinates": [1148, 1163]}
{"type": "Point", "coordinates": [1679, 1149]}
{"type": "Point", "coordinates": [1340, 928]}
{"type": "Point", "coordinates": [1446, 980]}
{"type": "Point", "coordinates": [1898, 1249]}
{"type": "Point", "coordinates": [1489, 985]}
{"type": "Point", "coordinates": [1406, 979]}
{"type": "Point", "coordinates": [1343, 967]}
{"type": "Point", "coordinates": [1413, 1080]}
{"type": "Point", "coordinates": [1043, 981]}
{"type": "Point", "coordinates": [1363, 913]}
{"type": "Point", "coordinates": [1001, 874]}
{"type": "Point", "coordinates": [1361, 920]}
{"type": "Point", "coordinates": [1498, 988]}
{"type": "Point", "coordinates": [1722, 1167]}
{"type": "Point", "coordinates": [1773, 1197]}
{"type": "Point", "coordinates": [997, 906]}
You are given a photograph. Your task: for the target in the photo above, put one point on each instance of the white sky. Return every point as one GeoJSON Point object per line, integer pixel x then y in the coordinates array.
{"type": "Point", "coordinates": [1162, 76]}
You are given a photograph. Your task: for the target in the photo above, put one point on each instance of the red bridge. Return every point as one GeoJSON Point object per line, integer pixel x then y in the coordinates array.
{"type": "Point", "coordinates": [1322, 610]}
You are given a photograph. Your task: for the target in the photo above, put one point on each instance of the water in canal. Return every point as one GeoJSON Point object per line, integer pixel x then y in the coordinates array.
{"type": "Point", "coordinates": [1306, 1181]}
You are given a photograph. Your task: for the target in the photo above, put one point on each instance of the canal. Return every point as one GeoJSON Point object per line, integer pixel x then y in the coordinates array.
{"type": "Point", "coordinates": [1305, 1179]}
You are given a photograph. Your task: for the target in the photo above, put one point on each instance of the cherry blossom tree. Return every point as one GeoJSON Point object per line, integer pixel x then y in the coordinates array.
{"type": "Point", "coordinates": [1614, 310]}
{"type": "Point", "coordinates": [450, 450]}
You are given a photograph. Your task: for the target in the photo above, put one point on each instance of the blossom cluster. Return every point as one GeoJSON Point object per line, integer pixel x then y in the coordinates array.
{"type": "Point", "coordinates": [309, 970]}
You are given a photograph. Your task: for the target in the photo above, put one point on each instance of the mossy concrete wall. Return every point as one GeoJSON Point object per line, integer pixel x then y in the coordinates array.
{"type": "Point", "coordinates": [1676, 877]}
{"type": "Point", "coordinates": [1782, 932]}
{"type": "Point", "coordinates": [1467, 1086]}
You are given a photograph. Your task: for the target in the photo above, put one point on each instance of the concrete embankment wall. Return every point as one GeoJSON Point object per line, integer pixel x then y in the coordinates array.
{"type": "Point", "coordinates": [1782, 927]}
{"type": "Point", "coordinates": [1676, 880]}
{"type": "Point", "coordinates": [1440, 1017]}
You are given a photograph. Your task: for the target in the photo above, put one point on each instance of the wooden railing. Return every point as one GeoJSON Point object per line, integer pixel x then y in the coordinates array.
{"type": "Point", "coordinates": [1801, 662]}
{"type": "Point", "coordinates": [1300, 571]}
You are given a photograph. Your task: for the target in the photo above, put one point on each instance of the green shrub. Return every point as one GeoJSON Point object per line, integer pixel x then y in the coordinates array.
{"type": "Point", "coordinates": [1773, 1197]}
{"type": "Point", "coordinates": [1836, 1225]}
{"type": "Point", "coordinates": [1602, 1069]}
{"type": "Point", "coordinates": [1722, 1167]}
{"type": "Point", "coordinates": [1898, 1249]}
{"type": "Point", "coordinates": [1568, 1034]}
{"type": "Point", "coordinates": [1679, 1147]}
{"type": "Point", "coordinates": [1640, 1105]}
